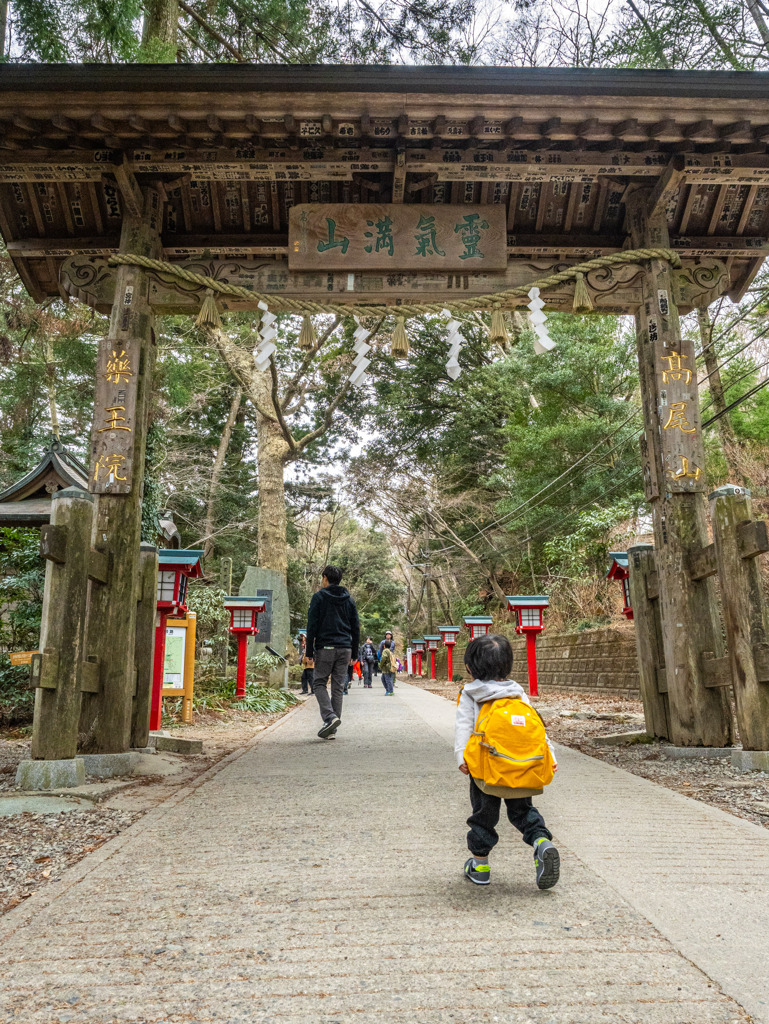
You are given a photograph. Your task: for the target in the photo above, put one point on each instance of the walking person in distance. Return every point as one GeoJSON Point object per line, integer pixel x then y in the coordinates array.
{"type": "Point", "coordinates": [368, 661]}
{"type": "Point", "coordinates": [388, 664]}
{"type": "Point", "coordinates": [333, 635]}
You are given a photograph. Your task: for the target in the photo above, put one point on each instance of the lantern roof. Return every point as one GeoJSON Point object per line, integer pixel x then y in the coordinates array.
{"type": "Point", "coordinates": [449, 629]}
{"type": "Point", "coordinates": [186, 559]}
{"type": "Point", "coordinates": [416, 641]}
{"type": "Point", "coordinates": [226, 139]}
{"type": "Point", "coordinates": [302, 632]}
{"type": "Point", "coordinates": [246, 602]}
{"type": "Point", "coordinates": [478, 620]}
{"type": "Point", "coordinates": [430, 636]}
{"type": "Point", "coordinates": [528, 601]}
{"type": "Point", "coordinates": [619, 565]}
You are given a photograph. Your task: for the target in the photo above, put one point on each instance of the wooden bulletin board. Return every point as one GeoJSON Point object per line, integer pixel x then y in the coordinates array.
{"type": "Point", "coordinates": [181, 655]}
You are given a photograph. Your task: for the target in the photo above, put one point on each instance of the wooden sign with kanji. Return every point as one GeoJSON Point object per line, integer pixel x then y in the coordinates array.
{"type": "Point", "coordinates": [397, 237]}
{"type": "Point", "coordinates": [112, 437]}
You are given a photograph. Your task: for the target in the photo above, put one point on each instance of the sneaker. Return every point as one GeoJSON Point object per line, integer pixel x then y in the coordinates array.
{"type": "Point", "coordinates": [478, 873]}
{"type": "Point", "coordinates": [329, 727]}
{"type": "Point", "coordinates": [547, 861]}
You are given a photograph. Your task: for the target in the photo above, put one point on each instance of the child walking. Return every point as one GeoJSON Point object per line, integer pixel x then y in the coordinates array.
{"type": "Point", "coordinates": [504, 743]}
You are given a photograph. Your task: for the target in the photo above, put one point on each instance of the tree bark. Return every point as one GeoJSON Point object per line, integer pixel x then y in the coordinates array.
{"type": "Point", "coordinates": [221, 455]}
{"type": "Point", "coordinates": [271, 457]}
{"type": "Point", "coordinates": [161, 26]}
{"type": "Point", "coordinates": [760, 21]}
{"type": "Point", "coordinates": [3, 25]}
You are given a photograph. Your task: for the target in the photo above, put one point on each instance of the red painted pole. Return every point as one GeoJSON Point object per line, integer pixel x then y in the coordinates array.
{"type": "Point", "coordinates": [531, 661]}
{"type": "Point", "coordinates": [240, 684]}
{"type": "Point", "coordinates": [156, 705]}
{"type": "Point", "coordinates": [432, 664]}
{"type": "Point", "coordinates": [450, 649]}
{"type": "Point", "coordinates": [419, 668]}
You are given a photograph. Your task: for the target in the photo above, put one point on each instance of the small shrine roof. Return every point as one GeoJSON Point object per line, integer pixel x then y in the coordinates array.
{"type": "Point", "coordinates": [27, 502]}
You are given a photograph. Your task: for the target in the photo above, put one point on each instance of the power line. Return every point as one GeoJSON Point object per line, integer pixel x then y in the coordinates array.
{"type": "Point", "coordinates": [737, 401]}
{"type": "Point", "coordinates": [734, 383]}
{"type": "Point", "coordinates": [508, 515]}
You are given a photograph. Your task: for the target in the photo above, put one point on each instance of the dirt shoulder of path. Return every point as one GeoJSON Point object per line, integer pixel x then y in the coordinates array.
{"type": "Point", "coordinates": [577, 718]}
{"type": "Point", "coordinates": [35, 848]}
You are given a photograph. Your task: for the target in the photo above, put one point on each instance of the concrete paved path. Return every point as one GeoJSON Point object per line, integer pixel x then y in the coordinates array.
{"type": "Point", "coordinates": [316, 882]}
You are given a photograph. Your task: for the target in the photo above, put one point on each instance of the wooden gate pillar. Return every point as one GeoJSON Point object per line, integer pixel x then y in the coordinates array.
{"type": "Point", "coordinates": [58, 671]}
{"type": "Point", "coordinates": [674, 480]}
{"type": "Point", "coordinates": [124, 371]}
{"type": "Point", "coordinates": [738, 541]}
{"type": "Point", "coordinates": [144, 649]}
{"type": "Point", "coordinates": [644, 598]}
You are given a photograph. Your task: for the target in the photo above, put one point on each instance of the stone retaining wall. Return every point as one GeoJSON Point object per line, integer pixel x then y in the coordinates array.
{"type": "Point", "coordinates": [602, 660]}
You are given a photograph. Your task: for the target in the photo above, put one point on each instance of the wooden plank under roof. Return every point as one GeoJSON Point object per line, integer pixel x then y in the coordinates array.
{"type": "Point", "coordinates": [238, 145]}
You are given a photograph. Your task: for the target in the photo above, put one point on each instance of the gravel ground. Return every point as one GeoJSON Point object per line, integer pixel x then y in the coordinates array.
{"type": "Point", "coordinates": [576, 718]}
{"type": "Point", "coordinates": [36, 848]}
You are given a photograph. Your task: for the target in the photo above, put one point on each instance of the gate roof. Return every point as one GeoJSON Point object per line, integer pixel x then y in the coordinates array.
{"type": "Point", "coordinates": [237, 145]}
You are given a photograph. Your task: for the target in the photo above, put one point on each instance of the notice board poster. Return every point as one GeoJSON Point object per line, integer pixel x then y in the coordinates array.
{"type": "Point", "coordinates": [173, 665]}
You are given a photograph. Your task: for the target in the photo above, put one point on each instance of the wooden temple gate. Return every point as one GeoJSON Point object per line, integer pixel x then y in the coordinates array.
{"type": "Point", "coordinates": [368, 189]}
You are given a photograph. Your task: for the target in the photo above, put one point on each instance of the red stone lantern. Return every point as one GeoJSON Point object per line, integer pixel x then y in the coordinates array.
{"type": "Point", "coordinates": [449, 636]}
{"type": "Point", "coordinates": [419, 647]}
{"type": "Point", "coordinates": [528, 610]}
{"type": "Point", "coordinates": [432, 646]}
{"type": "Point", "coordinates": [478, 625]}
{"type": "Point", "coordinates": [175, 567]}
{"type": "Point", "coordinates": [618, 570]}
{"type": "Point", "coordinates": [244, 613]}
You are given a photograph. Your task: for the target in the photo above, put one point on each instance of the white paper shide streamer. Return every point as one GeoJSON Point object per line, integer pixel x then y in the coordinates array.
{"type": "Point", "coordinates": [455, 344]}
{"type": "Point", "coordinates": [543, 342]}
{"type": "Point", "coordinates": [267, 333]}
{"type": "Point", "coordinates": [362, 349]}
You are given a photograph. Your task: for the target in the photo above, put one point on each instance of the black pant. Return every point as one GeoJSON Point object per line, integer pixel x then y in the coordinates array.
{"type": "Point", "coordinates": [482, 837]}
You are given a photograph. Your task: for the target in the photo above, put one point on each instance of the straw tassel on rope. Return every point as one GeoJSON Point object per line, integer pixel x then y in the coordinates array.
{"type": "Point", "coordinates": [498, 333]}
{"type": "Point", "coordinates": [307, 336]}
{"type": "Point", "coordinates": [399, 342]}
{"type": "Point", "coordinates": [209, 314]}
{"type": "Point", "coordinates": [582, 301]}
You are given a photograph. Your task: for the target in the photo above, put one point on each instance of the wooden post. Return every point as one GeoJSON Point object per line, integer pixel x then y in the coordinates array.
{"type": "Point", "coordinates": [644, 598]}
{"type": "Point", "coordinates": [674, 477]}
{"type": "Point", "coordinates": [144, 644]}
{"type": "Point", "coordinates": [123, 388]}
{"type": "Point", "coordinates": [738, 540]}
{"type": "Point", "coordinates": [189, 668]}
{"type": "Point", "coordinates": [57, 672]}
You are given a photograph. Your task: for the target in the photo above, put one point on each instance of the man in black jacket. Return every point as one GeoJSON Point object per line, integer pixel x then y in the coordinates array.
{"type": "Point", "coordinates": [333, 637]}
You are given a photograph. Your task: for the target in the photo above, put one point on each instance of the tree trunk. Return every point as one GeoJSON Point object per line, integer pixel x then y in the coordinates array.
{"type": "Point", "coordinates": [271, 457]}
{"type": "Point", "coordinates": [221, 455]}
{"type": "Point", "coordinates": [3, 25]}
{"type": "Point", "coordinates": [758, 18]}
{"type": "Point", "coordinates": [160, 29]}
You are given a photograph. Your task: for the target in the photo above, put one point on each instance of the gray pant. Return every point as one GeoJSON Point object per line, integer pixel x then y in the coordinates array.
{"type": "Point", "coordinates": [367, 668]}
{"type": "Point", "coordinates": [331, 661]}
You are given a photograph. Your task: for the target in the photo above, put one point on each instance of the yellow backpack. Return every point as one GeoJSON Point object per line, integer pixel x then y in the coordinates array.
{"type": "Point", "coordinates": [508, 754]}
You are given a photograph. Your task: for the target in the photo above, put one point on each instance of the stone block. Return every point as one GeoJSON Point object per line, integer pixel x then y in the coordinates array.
{"type": "Point", "coordinates": [178, 745]}
{"type": "Point", "coordinates": [751, 760]}
{"type": "Point", "coordinates": [618, 739]}
{"type": "Point", "coordinates": [274, 624]}
{"type": "Point", "coordinates": [50, 775]}
{"type": "Point", "coordinates": [682, 753]}
{"type": "Point", "coordinates": [108, 766]}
